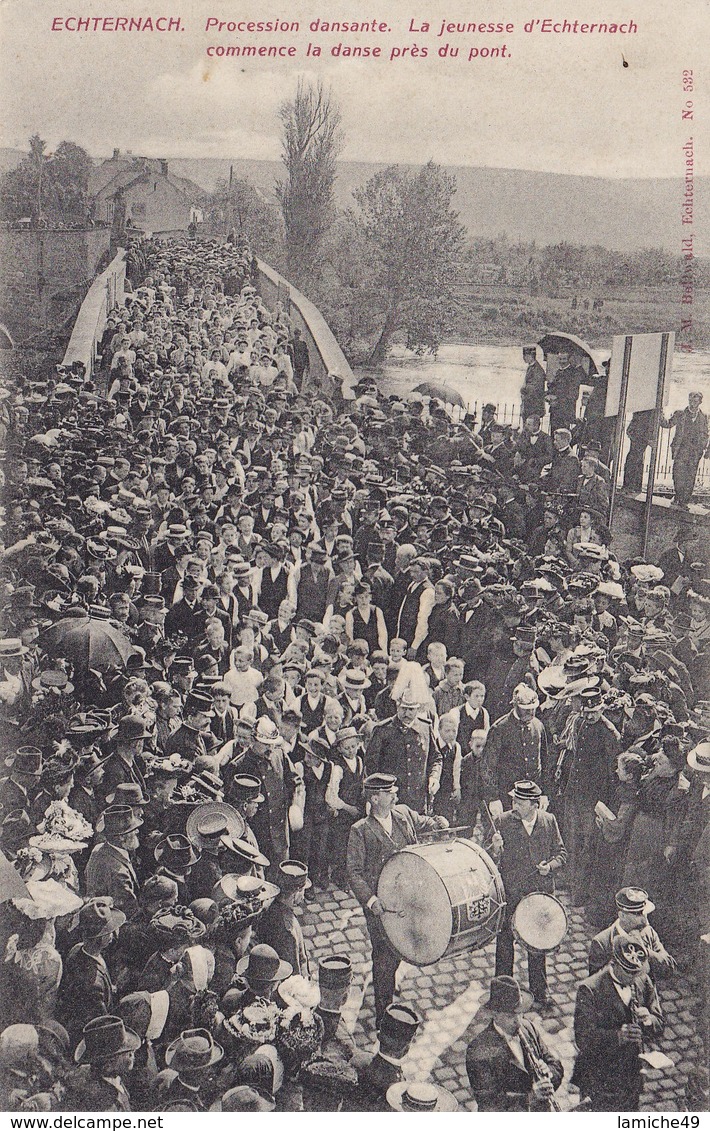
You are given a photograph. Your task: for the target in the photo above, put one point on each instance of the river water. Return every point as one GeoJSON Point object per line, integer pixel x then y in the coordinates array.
{"type": "Point", "coordinates": [483, 373]}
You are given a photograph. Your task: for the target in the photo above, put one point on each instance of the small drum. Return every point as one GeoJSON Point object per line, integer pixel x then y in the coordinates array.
{"type": "Point", "coordinates": [539, 922]}
{"type": "Point", "coordinates": [440, 898]}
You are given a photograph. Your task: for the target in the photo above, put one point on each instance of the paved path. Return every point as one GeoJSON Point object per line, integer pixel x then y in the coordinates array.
{"type": "Point", "coordinates": [449, 993]}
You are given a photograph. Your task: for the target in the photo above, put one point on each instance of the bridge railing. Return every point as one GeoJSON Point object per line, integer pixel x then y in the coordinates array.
{"type": "Point", "coordinates": [103, 295]}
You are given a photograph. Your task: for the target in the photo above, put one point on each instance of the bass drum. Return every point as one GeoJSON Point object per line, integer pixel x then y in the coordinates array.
{"type": "Point", "coordinates": [439, 899]}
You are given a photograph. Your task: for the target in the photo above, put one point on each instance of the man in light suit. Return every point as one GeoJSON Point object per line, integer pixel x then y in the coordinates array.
{"type": "Point", "coordinates": [109, 870]}
{"type": "Point", "coordinates": [387, 828]}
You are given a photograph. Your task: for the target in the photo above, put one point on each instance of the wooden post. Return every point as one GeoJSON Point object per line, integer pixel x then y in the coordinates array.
{"type": "Point", "coordinates": [660, 391]}
{"type": "Point", "coordinates": [620, 424]}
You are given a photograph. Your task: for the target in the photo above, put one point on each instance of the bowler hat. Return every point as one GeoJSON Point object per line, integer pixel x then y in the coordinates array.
{"type": "Point", "coordinates": [176, 853]}
{"type": "Point", "coordinates": [193, 1051]}
{"type": "Point", "coordinates": [117, 820]}
{"type": "Point", "coordinates": [127, 793]}
{"type": "Point", "coordinates": [105, 1037]}
{"type": "Point", "coordinates": [131, 728]}
{"type": "Point", "coordinates": [263, 964]}
{"type": "Point", "coordinates": [506, 996]}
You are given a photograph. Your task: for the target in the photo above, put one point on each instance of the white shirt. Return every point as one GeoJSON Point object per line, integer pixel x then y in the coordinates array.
{"type": "Point", "coordinates": [625, 992]}
{"type": "Point", "coordinates": [514, 1045]}
{"type": "Point", "coordinates": [386, 823]}
{"type": "Point", "coordinates": [530, 825]}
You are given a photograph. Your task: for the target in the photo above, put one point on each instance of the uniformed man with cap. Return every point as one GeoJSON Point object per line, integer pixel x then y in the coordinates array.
{"type": "Point", "coordinates": [616, 1011]}
{"type": "Point", "coordinates": [402, 746]}
{"type": "Point", "coordinates": [279, 926]}
{"type": "Point", "coordinates": [634, 907]}
{"type": "Point", "coordinates": [387, 828]}
{"type": "Point", "coordinates": [397, 1030]}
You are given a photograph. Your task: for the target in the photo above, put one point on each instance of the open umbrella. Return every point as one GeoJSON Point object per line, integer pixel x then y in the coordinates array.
{"type": "Point", "coordinates": [580, 353]}
{"type": "Point", "coordinates": [441, 391]}
{"type": "Point", "coordinates": [88, 642]}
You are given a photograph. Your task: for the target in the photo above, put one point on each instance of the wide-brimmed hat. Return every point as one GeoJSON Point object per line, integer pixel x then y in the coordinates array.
{"type": "Point", "coordinates": [53, 681]}
{"type": "Point", "coordinates": [699, 758]}
{"type": "Point", "coordinates": [263, 964]}
{"type": "Point", "coordinates": [246, 852]}
{"type": "Point", "coordinates": [105, 1037]}
{"type": "Point", "coordinates": [214, 818]}
{"type": "Point", "coordinates": [98, 915]}
{"type": "Point", "coordinates": [12, 648]}
{"type": "Point", "coordinates": [506, 996]}
{"type": "Point", "coordinates": [193, 1051]}
{"type": "Point", "coordinates": [176, 853]}
{"type": "Point", "coordinates": [412, 1095]}
{"type": "Point", "coordinates": [48, 899]}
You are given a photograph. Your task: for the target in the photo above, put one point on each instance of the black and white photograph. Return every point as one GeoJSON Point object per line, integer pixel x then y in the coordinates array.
{"type": "Point", "coordinates": [354, 560]}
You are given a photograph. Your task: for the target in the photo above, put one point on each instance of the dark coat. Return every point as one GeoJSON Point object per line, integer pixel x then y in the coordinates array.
{"type": "Point", "coordinates": [369, 847]}
{"type": "Point", "coordinates": [85, 991]}
{"type": "Point", "coordinates": [108, 872]}
{"type": "Point", "coordinates": [602, 1063]}
{"type": "Point", "coordinates": [497, 1081]}
{"type": "Point", "coordinates": [406, 752]}
{"type": "Point", "coordinates": [514, 751]}
{"type": "Point", "coordinates": [522, 852]}
{"type": "Point", "coordinates": [280, 928]}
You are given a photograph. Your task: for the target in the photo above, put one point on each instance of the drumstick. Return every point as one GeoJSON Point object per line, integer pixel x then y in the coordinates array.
{"type": "Point", "coordinates": [488, 814]}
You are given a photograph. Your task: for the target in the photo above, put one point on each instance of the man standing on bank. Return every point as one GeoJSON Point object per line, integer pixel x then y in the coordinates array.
{"type": "Point", "coordinates": [386, 829]}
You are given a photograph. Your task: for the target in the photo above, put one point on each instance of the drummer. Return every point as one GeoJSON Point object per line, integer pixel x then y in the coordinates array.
{"type": "Point", "coordinates": [529, 850]}
{"type": "Point", "coordinates": [387, 828]}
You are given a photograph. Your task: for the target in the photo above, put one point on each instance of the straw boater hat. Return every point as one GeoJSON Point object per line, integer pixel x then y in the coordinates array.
{"type": "Point", "coordinates": [411, 1095]}
{"type": "Point", "coordinates": [699, 758]}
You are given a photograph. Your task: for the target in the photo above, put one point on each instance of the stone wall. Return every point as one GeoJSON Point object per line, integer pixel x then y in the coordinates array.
{"type": "Point", "coordinates": [330, 372]}
{"type": "Point", "coordinates": [44, 275]}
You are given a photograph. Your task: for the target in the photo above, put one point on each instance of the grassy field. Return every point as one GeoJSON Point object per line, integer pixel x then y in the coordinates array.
{"type": "Point", "coordinates": [500, 314]}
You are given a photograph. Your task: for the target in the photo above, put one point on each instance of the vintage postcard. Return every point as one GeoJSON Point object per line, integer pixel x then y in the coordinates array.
{"type": "Point", "coordinates": [354, 558]}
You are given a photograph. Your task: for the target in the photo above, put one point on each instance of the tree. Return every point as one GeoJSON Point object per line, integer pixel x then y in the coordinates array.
{"type": "Point", "coordinates": [51, 187]}
{"type": "Point", "coordinates": [311, 142]}
{"type": "Point", "coordinates": [237, 203]}
{"type": "Point", "coordinates": [416, 244]}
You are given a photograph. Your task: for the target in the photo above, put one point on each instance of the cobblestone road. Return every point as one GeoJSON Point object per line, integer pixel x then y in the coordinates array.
{"type": "Point", "coordinates": [449, 993]}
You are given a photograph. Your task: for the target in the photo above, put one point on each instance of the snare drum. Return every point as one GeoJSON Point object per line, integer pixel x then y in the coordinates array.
{"type": "Point", "coordinates": [539, 922]}
{"type": "Point", "coordinates": [440, 899]}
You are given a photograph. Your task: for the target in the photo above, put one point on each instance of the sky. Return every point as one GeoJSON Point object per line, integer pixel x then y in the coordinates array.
{"type": "Point", "coordinates": [557, 103]}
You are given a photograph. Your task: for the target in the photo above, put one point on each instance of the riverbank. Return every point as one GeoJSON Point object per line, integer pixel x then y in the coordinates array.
{"type": "Point", "coordinates": [501, 315]}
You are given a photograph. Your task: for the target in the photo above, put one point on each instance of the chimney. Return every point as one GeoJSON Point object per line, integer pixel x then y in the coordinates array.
{"type": "Point", "coordinates": [163, 167]}
{"type": "Point", "coordinates": [116, 153]}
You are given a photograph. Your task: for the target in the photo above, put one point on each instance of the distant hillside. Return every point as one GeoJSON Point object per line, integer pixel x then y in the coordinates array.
{"type": "Point", "coordinates": [546, 207]}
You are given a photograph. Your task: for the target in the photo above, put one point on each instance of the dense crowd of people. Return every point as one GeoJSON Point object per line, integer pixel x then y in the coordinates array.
{"type": "Point", "coordinates": [254, 643]}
